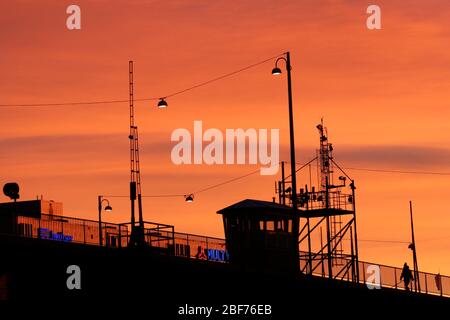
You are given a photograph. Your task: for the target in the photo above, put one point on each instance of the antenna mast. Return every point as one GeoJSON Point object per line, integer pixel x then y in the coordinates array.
{"type": "Point", "coordinates": [326, 183]}
{"type": "Point", "coordinates": [325, 157]}
{"type": "Point", "coordinates": [137, 234]}
{"type": "Point", "coordinates": [329, 206]}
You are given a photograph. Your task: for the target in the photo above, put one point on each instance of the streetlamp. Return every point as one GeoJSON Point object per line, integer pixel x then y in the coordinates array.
{"type": "Point", "coordinates": [277, 71]}
{"type": "Point", "coordinates": [107, 208]}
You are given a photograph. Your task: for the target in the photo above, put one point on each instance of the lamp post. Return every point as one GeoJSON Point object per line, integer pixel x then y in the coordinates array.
{"type": "Point", "coordinates": [107, 208]}
{"type": "Point", "coordinates": [276, 71]}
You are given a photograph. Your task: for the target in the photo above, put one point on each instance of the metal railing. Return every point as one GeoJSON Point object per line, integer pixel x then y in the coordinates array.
{"type": "Point", "coordinates": [200, 247]}
{"type": "Point", "coordinates": [317, 200]}
{"type": "Point", "coordinates": [389, 276]}
{"type": "Point", "coordinates": [68, 229]}
{"type": "Point", "coordinates": [430, 283]}
{"type": "Point", "coordinates": [156, 235]}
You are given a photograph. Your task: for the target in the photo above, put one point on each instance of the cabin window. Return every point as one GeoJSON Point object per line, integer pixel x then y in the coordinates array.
{"type": "Point", "coordinates": [270, 226]}
{"type": "Point", "coordinates": [290, 225]}
{"type": "Point", "coordinates": [281, 225]}
{"type": "Point", "coordinates": [231, 223]}
{"type": "Point", "coordinates": [261, 225]}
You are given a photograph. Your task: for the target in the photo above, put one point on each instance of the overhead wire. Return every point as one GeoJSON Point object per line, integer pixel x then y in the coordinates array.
{"type": "Point", "coordinates": [379, 170]}
{"type": "Point", "coordinates": [95, 102]}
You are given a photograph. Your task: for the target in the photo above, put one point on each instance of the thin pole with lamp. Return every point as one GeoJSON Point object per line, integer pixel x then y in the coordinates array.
{"type": "Point", "coordinates": [277, 71]}
{"type": "Point", "coordinates": [107, 208]}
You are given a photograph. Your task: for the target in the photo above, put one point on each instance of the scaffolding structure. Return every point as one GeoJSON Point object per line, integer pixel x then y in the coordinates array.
{"type": "Point", "coordinates": [326, 207]}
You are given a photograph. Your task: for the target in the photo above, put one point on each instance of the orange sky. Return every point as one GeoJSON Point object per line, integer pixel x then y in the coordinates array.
{"type": "Point", "coordinates": [384, 96]}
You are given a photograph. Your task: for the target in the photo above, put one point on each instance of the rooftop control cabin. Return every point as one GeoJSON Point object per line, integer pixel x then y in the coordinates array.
{"type": "Point", "coordinates": [259, 236]}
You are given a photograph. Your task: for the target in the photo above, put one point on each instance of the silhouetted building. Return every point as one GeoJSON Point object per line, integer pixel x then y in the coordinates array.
{"type": "Point", "coordinates": [10, 213]}
{"type": "Point", "coordinates": [259, 236]}
{"type": "Point", "coordinates": [32, 208]}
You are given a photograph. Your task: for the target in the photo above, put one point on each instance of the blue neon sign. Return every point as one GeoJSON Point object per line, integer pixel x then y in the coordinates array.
{"type": "Point", "coordinates": [218, 255]}
{"type": "Point", "coordinates": [48, 234]}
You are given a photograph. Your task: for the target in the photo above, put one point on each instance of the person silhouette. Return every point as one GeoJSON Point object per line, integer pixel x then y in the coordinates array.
{"type": "Point", "coordinates": [438, 281]}
{"type": "Point", "coordinates": [406, 276]}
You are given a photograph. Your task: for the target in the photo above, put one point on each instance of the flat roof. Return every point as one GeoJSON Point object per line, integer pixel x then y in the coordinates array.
{"type": "Point", "coordinates": [256, 206]}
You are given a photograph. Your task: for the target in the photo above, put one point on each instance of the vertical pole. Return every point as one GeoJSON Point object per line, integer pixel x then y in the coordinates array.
{"type": "Point", "coordinates": [141, 218]}
{"type": "Point", "coordinates": [353, 255]}
{"type": "Point", "coordinates": [321, 255]}
{"type": "Point", "coordinates": [280, 201]}
{"type": "Point", "coordinates": [364, 272]}
{"type": "Point", "coordinates": [318, 170]}
{"type": "Point", "coordinates": [310, 177]}
{"type": "Point", "coordinates": [295, 222]}
{"type": "Point", "coordinates": [100, 235]}
{"type": "Point", "coordinates": [416, 267]}
{"type": "Point", "coordinates": [327, 204]}
{"type": "Point", "coordinates": [309, 247]}
{"type": "Point", "coordinates": [15, 223]}
{"type": "Point", "coordinates": [138, 183]}
{"type": "Point", "coordinates": [309, 233]}
{"type": "Point", "coordinates": [354, 227]}
{"type": "Point", "coordinates": [395, 277]}
{"type": "Point", "coordinates": [188, 245]}
{"type": "Point", "coordinates": [283, 182]}
{"type": "Point", "coordinates": [120, 236]}
{"type": "Point", "coordinates": [84, 232]}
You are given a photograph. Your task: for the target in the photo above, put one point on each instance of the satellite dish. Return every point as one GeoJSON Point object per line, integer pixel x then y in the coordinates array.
{"type": "Point", "coordinates": [11, 190]}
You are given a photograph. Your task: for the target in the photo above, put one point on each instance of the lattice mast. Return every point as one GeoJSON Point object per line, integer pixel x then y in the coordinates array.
{"type": "Point", "coordinates": [329, 205]}
{"type": "Point", "coordinates": [137, 235]}
{"type": "Point", "coordinates": [325, 159]}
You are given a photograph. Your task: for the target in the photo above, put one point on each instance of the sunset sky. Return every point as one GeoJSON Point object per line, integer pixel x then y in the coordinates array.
{"type": "Point", "coordinates": [384, 95]}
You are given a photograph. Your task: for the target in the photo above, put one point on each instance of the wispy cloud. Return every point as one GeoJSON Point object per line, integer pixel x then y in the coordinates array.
{"type": "Point", "coordinates": [380, 156]}
{"type": "Point", "coordinates": [394, 156]}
